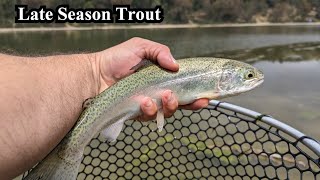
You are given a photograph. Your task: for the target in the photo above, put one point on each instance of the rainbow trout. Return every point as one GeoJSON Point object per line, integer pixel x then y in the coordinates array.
{"type": "Point", "coordinates": [211, 78]}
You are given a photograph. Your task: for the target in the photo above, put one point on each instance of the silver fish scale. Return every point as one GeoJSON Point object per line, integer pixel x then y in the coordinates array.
{"type": "Point", "coordinates": [137, 81]}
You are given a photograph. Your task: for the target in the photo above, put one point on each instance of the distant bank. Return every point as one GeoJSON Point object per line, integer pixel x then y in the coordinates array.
{"type": "Point", "coordinates": [153, 26]}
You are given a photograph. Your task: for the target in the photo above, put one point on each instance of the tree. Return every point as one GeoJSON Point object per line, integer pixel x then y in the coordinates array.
{"type": "Point", "coordinates": [180, 11]}
{"type": "Point", "coordinates": [7, 12]}
{"type": "Point", "coordinates": [227, 10]}
{"type": "Point", "coordinates": [283, 12]}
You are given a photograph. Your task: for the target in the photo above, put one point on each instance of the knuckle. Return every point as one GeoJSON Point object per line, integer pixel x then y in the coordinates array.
{"type": "Point", "coordinates": [165, 48]}
{"type": "Point", "coordinates": [136, 39]}
{"type": "Point", "coordinates": [170, 109]}
{"type": "Point", "coordinates": [150, 112]}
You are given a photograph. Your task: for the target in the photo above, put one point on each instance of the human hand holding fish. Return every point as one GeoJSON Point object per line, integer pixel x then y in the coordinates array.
{"type": "Point", "coordinates": [41, 97]}
{"type": "Point", "coordinates": [116, 63]}
{"type": "Point", "coordinates": [197, 78]}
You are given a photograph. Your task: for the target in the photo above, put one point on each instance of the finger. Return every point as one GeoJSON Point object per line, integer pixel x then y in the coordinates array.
{"type": "Point", "coordinates": [169, 103]}
{"type": "Point", "coordinates": [198, 104]}
{"type": "Point", "coordinates": [156, 52]}
{"type": "Point", "coordinates": [165, 58]}
{"type": "Point", "coordinates": [148, 108]}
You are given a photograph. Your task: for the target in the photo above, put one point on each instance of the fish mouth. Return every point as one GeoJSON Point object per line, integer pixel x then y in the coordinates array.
{"type": "Point", "coordinates": [254, 83]}
{"type": "Point", "coordinates": [258, 83]}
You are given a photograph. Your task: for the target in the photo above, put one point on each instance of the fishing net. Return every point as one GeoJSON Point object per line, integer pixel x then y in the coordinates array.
{"type": "Point", "coordinates": [222, 141]}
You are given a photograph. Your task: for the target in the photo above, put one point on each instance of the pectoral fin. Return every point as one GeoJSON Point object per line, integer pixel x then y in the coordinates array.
{"type": "Point", "coordinates": [160, 119]}
{"type": "Point", "coordinates": [112, 132]}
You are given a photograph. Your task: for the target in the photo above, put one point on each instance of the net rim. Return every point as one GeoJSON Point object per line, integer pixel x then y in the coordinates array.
{"type": "Point", "coordinates": [309, 142]}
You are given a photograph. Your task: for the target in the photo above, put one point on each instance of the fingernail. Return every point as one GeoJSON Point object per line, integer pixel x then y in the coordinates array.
{"type": "Point", "coordinates": [170, 98]}
{"type": "Point", "coordinates": [172, 59]}
{"type": "Point", "coordinates": [148, 103]}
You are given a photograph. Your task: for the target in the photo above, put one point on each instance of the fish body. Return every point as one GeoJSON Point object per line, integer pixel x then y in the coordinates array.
{"type": "Point", "coordinates": [211, 78]}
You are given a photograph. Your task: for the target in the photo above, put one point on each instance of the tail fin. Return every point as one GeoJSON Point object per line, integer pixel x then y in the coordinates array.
{"type": "Point", "coordinates": [54, 168]}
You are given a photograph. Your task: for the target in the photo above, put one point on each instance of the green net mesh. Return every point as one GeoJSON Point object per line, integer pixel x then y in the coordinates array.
{"type": "Point", "coordinates": [213, 143]}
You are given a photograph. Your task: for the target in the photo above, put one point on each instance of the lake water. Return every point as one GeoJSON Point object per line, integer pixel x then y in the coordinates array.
{"type": "Point", "coordinates": [291, 92]}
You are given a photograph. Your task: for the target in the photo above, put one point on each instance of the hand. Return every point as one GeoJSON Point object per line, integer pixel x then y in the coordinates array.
{"type": "Point", "coordinates": [115, 63]}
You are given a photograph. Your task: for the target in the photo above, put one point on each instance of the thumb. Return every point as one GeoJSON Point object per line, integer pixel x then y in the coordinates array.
{"type": "Point", "coordinates": [156, 52]}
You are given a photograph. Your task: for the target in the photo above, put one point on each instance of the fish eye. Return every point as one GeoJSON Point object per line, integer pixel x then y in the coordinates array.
{"type": "Point", "coordinates": [249, 75]}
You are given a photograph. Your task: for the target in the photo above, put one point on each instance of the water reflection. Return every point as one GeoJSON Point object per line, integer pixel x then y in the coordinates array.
{"type": "Point", "coordinates": [280, 53]}
{"type": "Point", "coordinates": [183, 42]}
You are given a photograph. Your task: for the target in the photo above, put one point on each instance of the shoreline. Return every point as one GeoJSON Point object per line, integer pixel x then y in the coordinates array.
{"type": "Point", "coordinates": [154, 26]}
